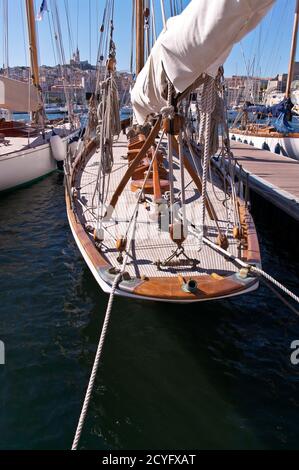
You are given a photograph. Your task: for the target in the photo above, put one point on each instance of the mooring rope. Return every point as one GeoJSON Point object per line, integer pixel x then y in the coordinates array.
{"type": "Point", "coordinates": [273, 281]}
{"type": "Point", "coordinates": [95, 364]}
{"type": "Point", "coordinates": [253, 269]}
{"type": "Point", "coordinates": [109, 309]}
{"type": "Point", "coordinates": [102, 339]}
{"type": "Point", "coordinates": [280, 296]}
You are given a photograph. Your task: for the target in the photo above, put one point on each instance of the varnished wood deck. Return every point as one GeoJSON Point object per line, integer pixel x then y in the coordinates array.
{"type": "Point", "coordinates": [274, 177]}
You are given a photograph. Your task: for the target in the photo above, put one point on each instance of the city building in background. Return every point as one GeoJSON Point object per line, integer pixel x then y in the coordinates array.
{"type": "Point", "coordinates": [80, 78]}
{"type": "Point", "coordinates": [241, 88]}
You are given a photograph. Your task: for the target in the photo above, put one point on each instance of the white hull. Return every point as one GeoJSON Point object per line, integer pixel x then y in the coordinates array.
{"type": "Point", "coordinates": [23, 166]}
{"type": "Point", "coordinates": [289, 145]}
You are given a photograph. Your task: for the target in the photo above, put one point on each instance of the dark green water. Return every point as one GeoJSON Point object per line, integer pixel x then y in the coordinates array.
{"type": "Point", "coordinates": [210, 376]}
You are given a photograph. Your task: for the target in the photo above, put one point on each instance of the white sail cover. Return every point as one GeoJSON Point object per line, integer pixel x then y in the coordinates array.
{"type": "Point", "coordinates": [14, 95]}
{"type": "Point", "coordinates": [195, 42]}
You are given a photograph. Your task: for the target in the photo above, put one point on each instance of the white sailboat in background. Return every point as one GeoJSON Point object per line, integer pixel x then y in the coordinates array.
{"type": "Point", "coordinates": [273, 137]}
{"type": "Point", "coordinates": [29, 151]}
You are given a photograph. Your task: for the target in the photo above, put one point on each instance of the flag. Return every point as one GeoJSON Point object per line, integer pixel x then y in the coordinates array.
{"type": "Point", "coordinates": [43, 8]}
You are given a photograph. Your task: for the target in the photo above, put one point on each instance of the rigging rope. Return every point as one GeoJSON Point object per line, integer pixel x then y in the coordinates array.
{"type": "Point", "coordinates": [52, 40]}
{"type": "Point", "coordinates": [163, 13]}
{"type": "Point", "coordinates": [23, 31]}
{"type": "Point", "coordinates": [89, 19]}
{"type": "Point", "coordinates": [100, 56]}
{"type": "Point", "coordinates": [182, 176]}
{"type": "Point", "coordinates": [207, 106]}
{"type": "Point", "coordinates": [168, 112]}
{"type": "Point", "coordinates": [77, 25]}
{"type": "Point", "coordinates": [61, 56]}
{"type": "Point", "coordinates": [171, 7]}
{"type": "Point", "coordinates": [69, 27]}
{"type": "Point", "coordinates": [154, 29]}
{"type": "Point", "coordinates": [103, 49]}
{"type": "Point", "coordinates": [147, 28]}
{"type": "Point", "coordinates": [108, 115]}
{"type": "Point", "coordinates": [5, 38]}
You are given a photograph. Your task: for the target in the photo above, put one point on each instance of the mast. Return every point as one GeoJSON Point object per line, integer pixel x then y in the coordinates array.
{"type": "Point", "coordinates": [293, 50]}
{"type": "Point", "coordinates": [139, 7]}
{"type": "Point", "coordinates": [6, 39]}
{"type": "Point", "coordinates": [32, 42]}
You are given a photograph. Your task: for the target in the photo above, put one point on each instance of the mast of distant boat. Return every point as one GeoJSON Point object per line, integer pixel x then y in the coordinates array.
{"type": "Point", "coordinates": [34, 57]}
{"type": "Point", "coordinates": [293, 51]}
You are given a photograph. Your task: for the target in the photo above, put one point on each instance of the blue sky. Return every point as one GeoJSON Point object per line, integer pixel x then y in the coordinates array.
{"type": "Point", "coordinates": [263, 52]}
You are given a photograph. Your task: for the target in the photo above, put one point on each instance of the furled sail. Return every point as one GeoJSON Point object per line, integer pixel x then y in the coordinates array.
{"type": "Point", "coordinates": [14, 95]}
{"type": "Point", "coordinates": [195, 42]}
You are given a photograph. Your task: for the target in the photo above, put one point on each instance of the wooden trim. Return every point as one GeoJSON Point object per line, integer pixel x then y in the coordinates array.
{"type": "Point", "coordinates": [171, 289]}
{"type": "Point", "coordinates": [87, 244]}
{"type": "Point", "coordinates": [252, 253]}
{"type": "Point", "coordinates": [267, 134]}
{"type": "Point", "coordinates": [197, 180]}
{"type": "Point", "coordinates": [156, 181]}
{"type": "Point", "coordinates": [142, 153]}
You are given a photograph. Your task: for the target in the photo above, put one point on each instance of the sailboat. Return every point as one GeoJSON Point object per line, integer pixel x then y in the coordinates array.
{"type": "Point", "coordinates": [153, 214]}
{"type": "Point", "coordinates": [29, 151]}
{"type": "Point", "coordinates": [278, 137]}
